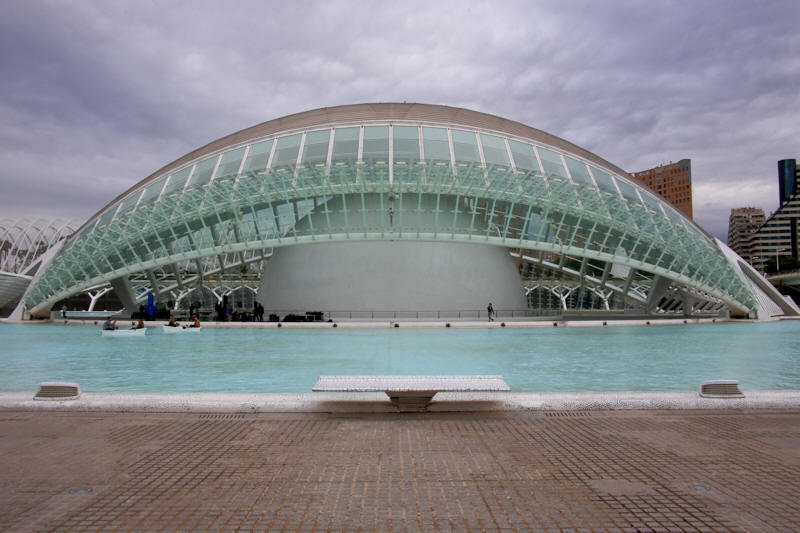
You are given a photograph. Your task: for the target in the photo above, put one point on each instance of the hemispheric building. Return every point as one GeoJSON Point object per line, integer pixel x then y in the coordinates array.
{"type": "Point", "coordinates": [402, 208]}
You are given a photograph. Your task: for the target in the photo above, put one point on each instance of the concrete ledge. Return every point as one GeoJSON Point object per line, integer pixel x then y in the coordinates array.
{"type": "Point", "coordinates": [378, 402]}
{"type": "Point", "coordinates": [446, 383]}
{"type": "Point", "coordinates": [411, 393]}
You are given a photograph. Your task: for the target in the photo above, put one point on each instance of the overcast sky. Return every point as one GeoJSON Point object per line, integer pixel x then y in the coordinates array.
{"type": "Point", "coordinates": [96, 95]}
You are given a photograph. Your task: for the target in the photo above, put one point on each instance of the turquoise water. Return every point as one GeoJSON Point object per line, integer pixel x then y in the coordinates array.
{"type": "Point", "coordinates": [679, 357]}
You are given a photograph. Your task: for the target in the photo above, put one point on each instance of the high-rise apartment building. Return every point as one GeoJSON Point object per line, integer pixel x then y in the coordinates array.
{"type": "Point", "coordinates": [743, 223]}
{"type": "Point", "coordinates": [673, 182]}
{"type": "Point", "coordinates": [778, 235]}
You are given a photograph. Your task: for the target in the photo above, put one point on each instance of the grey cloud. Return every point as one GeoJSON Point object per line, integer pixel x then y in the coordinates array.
{"type": "Point", "coordinates": [107, 92]}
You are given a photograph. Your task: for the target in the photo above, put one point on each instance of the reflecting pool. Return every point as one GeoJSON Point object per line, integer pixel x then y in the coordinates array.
{"type": "Point", "coordinates": [619, 358]}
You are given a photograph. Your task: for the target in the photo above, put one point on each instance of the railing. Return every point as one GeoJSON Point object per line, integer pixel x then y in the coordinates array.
{"type": "Point", "coordinates": [471, 315]}
{"type": "Point", "coordinates": [283, 315]}
{"type": "Point", "coordinates": [399, 315]}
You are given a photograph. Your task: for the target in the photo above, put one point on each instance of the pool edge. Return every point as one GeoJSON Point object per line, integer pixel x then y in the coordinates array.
{"type": "Point", "coordinates": [379, 403]}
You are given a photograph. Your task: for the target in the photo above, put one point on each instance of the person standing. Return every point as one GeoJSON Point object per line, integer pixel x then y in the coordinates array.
{"type": "Point", "coordinates": [490, 311]}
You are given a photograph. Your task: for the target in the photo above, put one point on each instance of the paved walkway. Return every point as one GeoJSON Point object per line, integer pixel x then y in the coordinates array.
{"type": "Point", "coordinates": [491, 470]}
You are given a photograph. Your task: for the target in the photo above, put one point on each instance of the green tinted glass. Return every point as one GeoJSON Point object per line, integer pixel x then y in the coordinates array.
{"type": "Point", "coordinates": [465, 146]}
{"type": "Point", "coordinates": [494, 150]}
{"type": "Point", "coordinates": [257, 157]}
{"type": "Point", "coordinates": [436, 145]}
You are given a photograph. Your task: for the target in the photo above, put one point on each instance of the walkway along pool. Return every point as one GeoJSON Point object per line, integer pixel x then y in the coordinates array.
{"type": "Point", "coordinates": [763, 356]}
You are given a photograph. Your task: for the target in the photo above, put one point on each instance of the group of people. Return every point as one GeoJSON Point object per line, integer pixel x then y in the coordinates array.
{"type": "Point", "coordinates": [194, 322]}
{"type": "Point", "coordinates": [223, 310]}
{"type": "Point", "coordinates": [111, 324]}
{"type": "Point", "coordinates": [225, 313]}
{"type": "Point", "coordinates": [258, 312]}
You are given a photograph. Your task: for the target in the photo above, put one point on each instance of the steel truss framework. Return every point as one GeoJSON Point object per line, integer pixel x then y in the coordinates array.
{"type": "Point", "coordinates": [23, 242]}
{"type": "Point", "coordinates": [23, 246]}
{"type": "Point", "coordinates": [223, 208]}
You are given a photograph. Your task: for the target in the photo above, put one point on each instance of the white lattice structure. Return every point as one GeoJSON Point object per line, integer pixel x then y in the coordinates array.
{"type": "Point", "coordinates": [23, 246]}
{"type": "Point", "coordinates": [395, 207]}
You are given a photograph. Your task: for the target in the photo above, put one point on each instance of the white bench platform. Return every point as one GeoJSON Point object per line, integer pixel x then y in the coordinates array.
{"type": "Point", "coordinates": [411, 392]}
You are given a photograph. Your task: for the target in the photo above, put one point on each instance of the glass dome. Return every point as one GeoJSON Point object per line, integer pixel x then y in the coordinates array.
{"type": "Point", "coordinates": [365, 173]}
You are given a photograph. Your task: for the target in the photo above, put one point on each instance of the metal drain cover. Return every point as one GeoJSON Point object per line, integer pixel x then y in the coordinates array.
{"type": "Point", "coordinates": [57, 390]}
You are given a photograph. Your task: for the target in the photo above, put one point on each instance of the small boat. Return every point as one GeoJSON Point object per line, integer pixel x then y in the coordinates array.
{"type": "Point", "coordinates": [179, 329]}
{"type": "Point", "coordinates": [127, 332]}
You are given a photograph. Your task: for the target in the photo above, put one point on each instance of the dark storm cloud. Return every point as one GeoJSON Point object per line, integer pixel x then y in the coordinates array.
{"type": "Point", "coordinates": [96, 95]}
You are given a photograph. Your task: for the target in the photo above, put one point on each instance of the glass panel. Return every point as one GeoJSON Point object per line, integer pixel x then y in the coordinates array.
{"type": "Point", "coordinates": [627, 190]}
{"type": "Point", "coordinates": [257, 157]}
{"type": "Point", "coordinates": [494, 150]}
{"type": "Point", "coordinates": [304, 207]}
{"type": "Point", "coordinates": [285, 217]}
{"type": "Point", "coordinates": [475, 174]}
{"type": "Point", "coordinates": [203, 238]}
{"type": "Point", "coordinates": [652, 203]}
{"type": "Point", "coordinates": [376, 143]}
{"type": "Point", "coordinates": [202, 174]}
{"type": "Point", "coordinates": [286, 151]}
{"type": "Point", "coordinates": [435, 143]}
{"type": "Point", "coordinates": [343, 171]}
{"type": "Point", "coordinates": [229, 166]}
{"type": "Point", "coordinates": [551, 161]}
{"type": "Point", "coordinates": [177, 181]}
{"type": "Point", "coordinates": [152, 191]}
{"type": "Point", "coordinates": [604, 181]}
{"type": "Point", "coordinates": [579, 172]}
{"type": "Point", "coordinates": [106, 217]}
{"type": "Point", "coordinates": [345, 144]}
{"type": "Point", "coordinates": [129, 202]}
{"type": "Point", "coordinates": [465, 146]}
{"type": "Point", "coordinates": [310, 175]}
{"type": "Point", "coordinates": [524, 158]}
{"type": "Point", "coordinates": [538, 228]}
{"type": "Point", "coordinates": [673, 214]}
{"type": "Point", "coordinates": [439, 173]}
{"type": "Point", "coordinates": [315, 149]}
{"type": "Point", "coordinates": [265, 222]}
{"type": "Point", "coordinates": [403, 171]}
{"type": "Point", "coordinates": [406, 143]}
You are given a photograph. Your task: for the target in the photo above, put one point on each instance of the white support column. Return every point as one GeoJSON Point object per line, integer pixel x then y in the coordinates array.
{"type": "Point", "coordinates": [658, 289]}
{"type": "Point", "coordinates": [124, 291]}
{"type": "Point", "coordinates": [603, 295]}
{"type": "Point", "coordinates": [183, 293]}
{"type": "Point", "coordinates": [563, 294]}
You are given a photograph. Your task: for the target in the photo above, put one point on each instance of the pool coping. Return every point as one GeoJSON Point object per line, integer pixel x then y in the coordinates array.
{"type": "Point", "coordinates": [379, 402]}
{"type": "Point", "coordinates": [521, 322]}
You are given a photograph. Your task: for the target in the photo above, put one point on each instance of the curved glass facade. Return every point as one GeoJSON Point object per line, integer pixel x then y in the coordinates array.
{"type": "Point", "coordinates": [368, 179]}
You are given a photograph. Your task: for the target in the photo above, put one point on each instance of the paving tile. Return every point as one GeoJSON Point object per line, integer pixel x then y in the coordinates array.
{"type": "Point", "coordinates": [460, 471]}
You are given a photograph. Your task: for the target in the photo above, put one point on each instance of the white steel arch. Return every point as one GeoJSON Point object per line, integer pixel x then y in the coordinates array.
{"type": "Point", "coordinates": [392, 172]}
{"type": "Point", "coordinates": [23, 245]}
